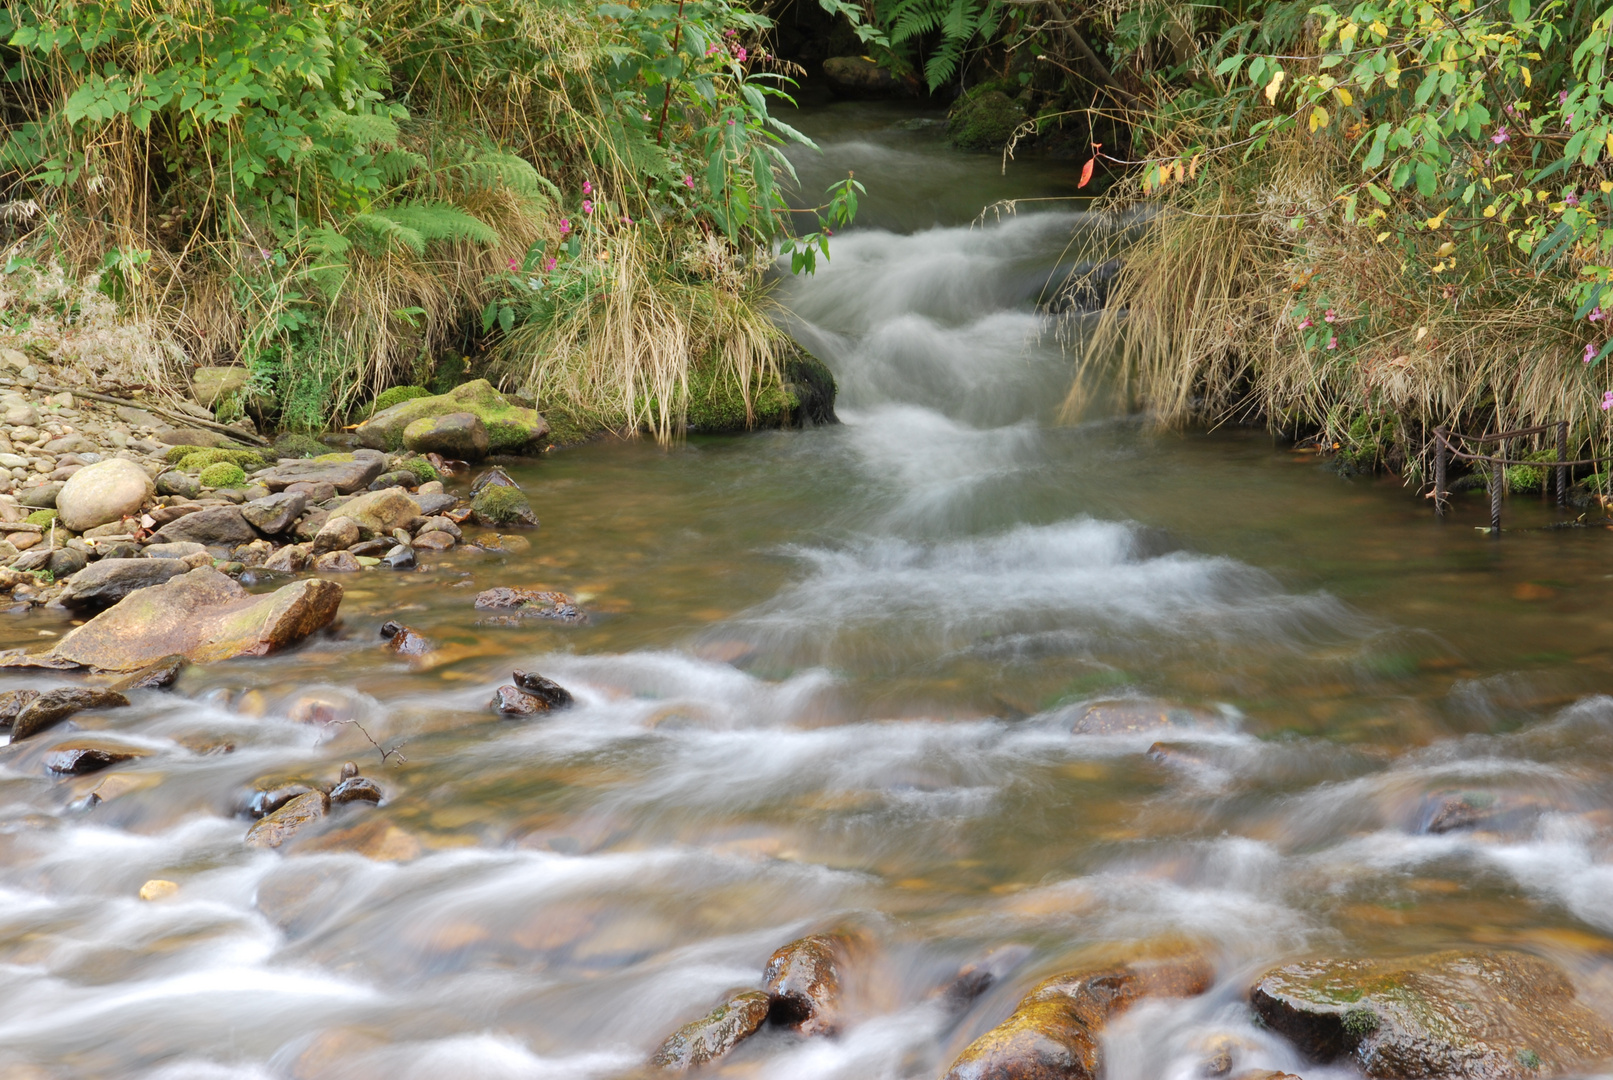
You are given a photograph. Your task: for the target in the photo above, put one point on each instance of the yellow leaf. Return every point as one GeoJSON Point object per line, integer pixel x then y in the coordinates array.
{"type": "Point", "coordinates": [1345, 97]}
{"type": "Point", "coordinates": [1422, 332]}
{"type": "Point", "coordinates": [1347, 33]}
{"type": "Point", "coordinates": [1318, 118]}
{"type": "Point", "coordinates": [1380, 29]}
{"type": "Point", "coordinates": [1438, 219]}
{"type": "Point", "coordinates": [1525, 73]}
{"type": "Point", "coordinates": [1164, 175]}
{"type": "Point", "coordinates": [1607, 186]}
{"type": "Point", "coordinates": [1381, 237]}
{"type": "Point", "coordinates": [1446, 248]}
{"type": "Point", "coordinates": [1489, 211]}
{"type": "Point", "coordinates": [1610, 142]}
{"type": "Point", "coordinates": [1181, 172]}
{"type": "Point", "coordinates": [1193, 166]}
{"type": "Point", "coordinates": [1541, 196]}
{"type": "Point", "coordinates": [1274, 87]}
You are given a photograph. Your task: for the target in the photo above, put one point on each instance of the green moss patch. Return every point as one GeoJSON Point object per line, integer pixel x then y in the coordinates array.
{"type": "Point", "coordinates": [423, 470]}
{"type": "Point", "coordinates": [501, 505]}
{"type": "Point", "coordinates": [223, 474]}
{"type": "Point", "coordinates": [294, 445]}
{"type": "Point", "coordinates": [41, 517]}
{"type": "Point", "coordinates": [392, 396]}
{"type": "Point", "coordinates": [242, 459]}
{"type": "Point", "coordinates": [985, 120]}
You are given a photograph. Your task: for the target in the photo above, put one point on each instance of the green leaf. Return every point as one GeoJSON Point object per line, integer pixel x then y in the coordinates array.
{"type": "Point", "coordinates": [1375, 155]}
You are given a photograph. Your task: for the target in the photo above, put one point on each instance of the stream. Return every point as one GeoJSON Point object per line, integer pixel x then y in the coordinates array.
{"type": "Point", "coordinates": [829, 680]}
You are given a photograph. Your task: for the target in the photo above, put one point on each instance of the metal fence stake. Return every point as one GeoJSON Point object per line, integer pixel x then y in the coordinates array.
{"type": "Point", "coordinates": [1441, 455]}
{"type": "Point", "coordinates": [1562, 470]}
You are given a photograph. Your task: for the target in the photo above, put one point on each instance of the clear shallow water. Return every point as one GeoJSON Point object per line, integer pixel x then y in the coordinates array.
{"type": "Point", "coordinates": [830, 681]}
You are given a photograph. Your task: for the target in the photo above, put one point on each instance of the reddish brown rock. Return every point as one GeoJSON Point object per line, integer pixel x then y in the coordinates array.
{"type": "Point", "coordinates": [1458, 1015]}
{"type": "Point", "coordinates": [13, 702]}
{"type": "Point", "coordinates": [434, 541]}
{"type": "Point", "coordinates": [202, 615]}
{"type": "Point", "coordinates": [158, 676]}
{"type": "Point", "coordinates": [275, 829]}
{"type": "Point", "coordinates": [338, 562]}
{"type": "Point", "coordinates": [513, 701]}
{"type": "Point", "coordinates": [1054, 1032]}
{"type": "Point", "coordinates": [405, 640]}
{"type": "Point", "coordinates": [803, 981]}
{"type": "Point", "coordinates": [52, 707]}
{"type": "Point", "coordinates": [83, 756]}
{"type": "Point", "coordinates": [713, 1035]}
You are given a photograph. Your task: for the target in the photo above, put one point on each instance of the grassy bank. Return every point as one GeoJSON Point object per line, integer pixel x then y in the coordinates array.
{"type": "Point", "coordinates": [577, 201]}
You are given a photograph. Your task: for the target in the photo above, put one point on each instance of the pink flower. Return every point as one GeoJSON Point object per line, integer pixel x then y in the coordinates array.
{"type": "Point", "coordinates": [1500, 136]}
{"type": "Point", "coordinates": [730, 121]}
{"type": "Point", "coordinates": [712, 51]}
{"type": "Point", "coordinates": [548, 264]}
{"type": "Point", "coordinates": [1596, 315]}
{"type": "Point", "coordinates": [1607, 400]}
{"type": "Point", "coordinates": [1590, 352]}
{"type": "Point", "coordinates": [626, 220]}
{"type": "Point", "coordinates": [1511, 110]}
{"type": "Point", "coordinates": [688, 181]}
{"type": "Point", "coordinates": [1330, 316]}
{"type": "Point", "coordinates": [1572, 199]}
{"type": "Point", "coordinates": [1306, 323]}
{"type": "Point", "coordinates": [587, 188]}
{"type": "Point", "coordinates": [588, 206]}
{"type": "Point", "coordinates": [515, 264]}
{"type": "Point", "coordinates": [1333, 342]}
{"type": "Point", "coordinates": [741, 54]}
{"type": "Point", "coordinates": [565, 226]}
{"type": "Point", "coordinates": [1568, 118]}
{"type": "Point", "coordinates": [1562, 97]}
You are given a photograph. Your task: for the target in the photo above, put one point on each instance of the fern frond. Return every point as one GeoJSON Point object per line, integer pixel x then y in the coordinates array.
{"type": "Point", "coordinates": [365, 129]}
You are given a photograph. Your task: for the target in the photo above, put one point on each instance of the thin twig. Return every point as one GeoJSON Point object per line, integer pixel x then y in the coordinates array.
{"type": "Point", "coordinates": [394, 752]}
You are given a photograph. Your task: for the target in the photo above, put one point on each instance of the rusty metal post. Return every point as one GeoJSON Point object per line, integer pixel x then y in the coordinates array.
{"type": "Point", "coordinates": [1562, 470]}
{"type": "Point", "coordinates": [1441, 456]}
{"type": "Point", "coordinates": [1498, 475]}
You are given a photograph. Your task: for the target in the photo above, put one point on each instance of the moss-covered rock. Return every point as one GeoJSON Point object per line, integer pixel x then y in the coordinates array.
{"type": "Point", "coordinates": [223, 474]}
{"type": "Point", "coordinates": [804, 394]}
{"type": "Point", "coordinates": [41, 517]}
{"type": "Point", "coordinates": [423, 470]}
{"type": "Point", "coordinates": [175, 454]}
{"type": "Point", "coordinates": [497, 504]}
{"type": "Point", "coordinates": [291, 444]}
{"type": "Point", "coordinates": [396, 395]}
{"type": "Point", "coordinates": [511, 429]}
{"type": "Point", "coordinates": [984, 120]}
{"type": "Point", "coordinates": [241, 459]}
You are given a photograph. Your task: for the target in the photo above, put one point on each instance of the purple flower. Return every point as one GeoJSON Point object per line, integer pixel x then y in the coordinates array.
{"type": "Point", "coordinates": [588, 206]}
{"type": "Point", "coordinates": [1500, 136]}
{"type": "Point", "coordinates": [1511, 110]}
{"type": "Point", "coordinates": [1333, 342]}
{"type": "Point", "coordinates": [1562, 97]}
{"type": "Point", "coordinates": [1572, 199]}
{"type": "Point", "coordinates": [587, 188]}
{"type": "Point", "coordinates": [1590, 352]}
{"type": "Point", "coordinates": [1607, 400]}
{"type": "Point", "coordinates": [565, 225]}
{"type": "Point", "coordinates": [688, 181]}
{"type": "Point", "coordinates": [1330, 316]}
{"type": "Point", "coordinates": [1596, 315]}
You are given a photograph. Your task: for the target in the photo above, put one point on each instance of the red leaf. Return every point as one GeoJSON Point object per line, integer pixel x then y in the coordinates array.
{"type": "Point", "coordinates": [1086, 172]}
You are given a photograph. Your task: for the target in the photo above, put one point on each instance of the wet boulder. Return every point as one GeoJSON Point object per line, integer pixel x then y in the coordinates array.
{"type": "Point", "coordinates": [53, 706]}
{"type": "Point", "coordinates": [1457, 1015]}
{"type": "Point", "coordinates": [346, 473]}
{"type": "Point", "coordinates": [860, 77]}
{"type": "Point", "coordinates": [456, 435]}
{"type": "Point", "coordinates": [13, 702]}
{"type": "Point", "coordinates": [377, 513]}
{"type": "Point", "coordinates": [975, 978]}
{"type": "Point", "coordinates": [202, 615]}
{"type": "Point", "coordinates": [513, 701]}
{"type": "Point", "coordinates": [405, 640]}
{"type": "Point", "coordinates": [510, 428]}
{"type": "Point", "coordinates": [499, 505]}
{"type": "Point", "coordinates": [535, 603]}
{"type": "Point", "coordinates": [550, 692]}
{"type": "Point", "coordinates": [400, 557]}
{"type": "Point", "coordinates": [83, 756]}
{"type": "Point", "coordinates": [269, 793]}
{"type": "Point", "coordinates": [104, 492]}
{"type": "Point", "coordinates": [1054, 1033]}
{"type": "Point", "coordinates": [984, 120]}
{"type": "Point", "coordinates": [104, 583]}
{"type": "Point", "coordinates": [272, 830]}
{"type": "Point", "coordinates": [434, 541]}
{"type": "Point", "coordinates": [356, 789]}
{"type": "Point", "coordinates": [803, 982]}
{"type": "Point", "coordinates": [159, 675]}
{"type": "Point", "coordinates": [703, 1041]}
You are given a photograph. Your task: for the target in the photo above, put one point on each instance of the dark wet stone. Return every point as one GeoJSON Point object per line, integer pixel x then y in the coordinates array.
{"type": "Point", "coordinates": [431, 505]}
{"type": "Point", "coordinates": [803, 981]}
{"type": "Point", "coordinates": [1509, 812]}
{"type": "Point", "coordinates": [213, 525]}
{"type": "Point", "coordinates": [65, 562]}
{"type": "Point", "coordinates": [1055, 1031]}
{"type": "Point", "coordinates": [264, 577]}
{"type": "Point", "coordinates": [270, 793]}
{"type": "Point", "coordinates": [54, 706]}
{"type": "Point", "coordinates": [1457, 1015]}
{"type": "Point", "coordinates": [356, 789]}
{"type": "Point", "coordinates": [373, 548]}
{"type": "Point", "coordinates": [110, 580]}
{"type": "Point", "coordinates": [976, 978]}
{"type": "Point", "coordinates": [276, 828]}
{"type": "Point", "coordinates": [13, 702]}
{"type": "Point", "coordinates": [536, 603]}
{"type": "Point", "coordinates": [84, 756]}
{"type": "Point", "coordinates": [1138, 717]}
{"type": "Point", "coordinates": [713, 1035]}
{"type": "Point", "coordinates": [557, 696]}
{"type": "Point", "coordinates": [401, 557]}
{"type": "Point", "coordinates": [513, 701]}
{"type": "Point", "coordinates": [405, 640]}
{"type": "Point", "coordinates": [494, 477]}
{"type": "Point", "coordinates": [156, 676]}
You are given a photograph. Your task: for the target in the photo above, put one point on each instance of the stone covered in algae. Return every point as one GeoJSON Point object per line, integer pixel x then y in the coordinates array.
{"type": "Point", "coordinates": [511, 429]}
{"type": "Point", "coordinates": [705, 1040]}
{"type": "Point", "coordinates": [1486, 1015]}
{"type": "Point", "coordinates": [1054, 1032]}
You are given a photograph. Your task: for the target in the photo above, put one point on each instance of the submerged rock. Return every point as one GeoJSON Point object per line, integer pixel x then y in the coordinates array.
{"type": "Point", "coordinates": [538, 603]}
{"type": "Point", "coordinates": [1458, 1015]}
{"type": "Point", "coordinates": [551, 692]}
{"type": "Point", "coordinates": [1054, 1032]}
{"type": "Point", "coordinates": [157, 676]}
{"type": "Point", "coordinates": [356, 789]}
{"type": "Point", "coordinates": [202, 615]}
{"type": "Point", "coordinates": [1144, 717]}
{"type": "Point", "coordinates": [976, 978]}
{"type": "Point", "coordinates": [405, 640]}
{"type": "Point", "coordinates": [89, 755]}
{"type": "Point", "coordinates": [803, 981]}
{"type": "Point", "coordinates": [713, 1035]}
{"type": "Point", "coordinates": [275, 829]}
{"type": "Point", "coordinates": [52, 707]}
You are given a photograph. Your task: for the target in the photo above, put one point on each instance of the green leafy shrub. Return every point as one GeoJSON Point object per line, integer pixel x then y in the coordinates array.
{"type": "Point", "coordinates": [41, 517]}
{"type": "Point", "coordinates": [201, 459]}
{"type": "Point", "coordinates": [223, 474]}
{"type": "Point", "coordinates": [390, 397]}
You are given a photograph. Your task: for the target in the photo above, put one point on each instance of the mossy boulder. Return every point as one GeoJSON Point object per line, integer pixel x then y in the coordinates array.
{"type": "Point", "coordinates": [805, 394]}
{"type": "Point", "coordinates": [223, 474]}
{"type": "Point", "coordinates": [176, 454]}
{"type": "Point", "coordinates": [459, 436]}
{"type": "Point", "coordinates": [242, 459]}
{"type": "Point", "coordinates": [424, 471]}
{"type": "Point", "coordinates": [984, 120]}
{"type": "Point", "coordinates": [497, 504]}
{"type": "Point", "coordinates": [42, 517]}
{"type": "Point", "coordinates": [294, 445]}
{"type": "Point", "coordinates": [511, 429]}
{"type": "Point", "coordinates": [396, 395]}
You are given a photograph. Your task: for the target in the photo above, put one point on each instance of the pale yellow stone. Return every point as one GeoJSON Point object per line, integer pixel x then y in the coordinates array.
{"type": "Point", "coordinates": [158, 889]}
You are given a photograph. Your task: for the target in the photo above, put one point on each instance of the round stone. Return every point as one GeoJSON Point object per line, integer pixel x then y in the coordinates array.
{"type": "Point", "coordinates": [103, 492]}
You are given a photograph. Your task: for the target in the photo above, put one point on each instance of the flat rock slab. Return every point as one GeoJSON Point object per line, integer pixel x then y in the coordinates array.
{"type": "Point", "coordinates": [1055, 1031]}
{"type": "Point", "coordinates": [1475, 1015]}
{"type": "Point", "coordinates": [83, 756]}
{"type": "Point", "coordinates": [53, 706]}
{"type": "Point", "coordinates": [713, 1035]}
{"type": "Point", "coordinates": [1144, 717]}
{"type": "Point", "coordinates": [347, 474]}
{"type": "Point", "coordinates": [275, 829]}
{"type": "Point", "coordinates": [104, 583]}
{"type": "Point", "coordinates": [214, 525]}
{"type": "Point", "coordinates": [203, 616]}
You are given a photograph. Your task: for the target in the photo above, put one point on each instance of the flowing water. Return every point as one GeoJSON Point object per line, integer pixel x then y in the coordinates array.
{"type": "Point", "coordinates": [830, 680]}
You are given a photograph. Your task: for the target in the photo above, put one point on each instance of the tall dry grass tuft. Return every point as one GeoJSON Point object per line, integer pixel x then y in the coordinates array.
{"type": "Point", "coordinates": [1206, 321]}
